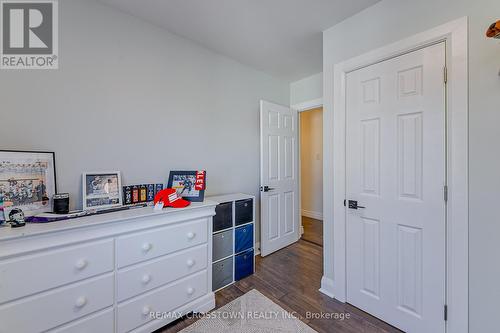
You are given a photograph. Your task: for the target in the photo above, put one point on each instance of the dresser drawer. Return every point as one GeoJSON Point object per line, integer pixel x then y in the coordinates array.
{"type": "Point", "coordinates": [154, 243]}
{"type": "Point", "coordinates": [57, 307]}
{"type": "Point", "coordinates": [155, 273]}
{"type": "Point", "coordinates": [26, 275]}
{"type": "Point", "coordinates": [101, 322]}
{"type": "Point", "coordinates": [136, 312]}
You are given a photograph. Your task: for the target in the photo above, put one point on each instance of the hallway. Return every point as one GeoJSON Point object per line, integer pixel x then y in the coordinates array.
{"type": "Point", "coordinates": [313, 230]}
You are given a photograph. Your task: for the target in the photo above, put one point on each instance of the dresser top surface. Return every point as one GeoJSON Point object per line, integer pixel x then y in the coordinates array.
{"type": "Point", "coordinates": [230, 197]}
{"type": "Point", "coordinates": [33, 229]}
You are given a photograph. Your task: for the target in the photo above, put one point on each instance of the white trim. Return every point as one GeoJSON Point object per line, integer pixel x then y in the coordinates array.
{"type": "Point", "coordinates": [334, 280]}
{"type": "Point", "coordinates": [308, 105]}
{"type": "Point", "coordinates": [256, 248]}
{"type": "Point", "coordinates": [327, 287]}
{"type": "Point", "coordinates": [312, 215]}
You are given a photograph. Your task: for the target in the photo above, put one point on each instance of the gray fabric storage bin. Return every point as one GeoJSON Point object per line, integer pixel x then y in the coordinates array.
{"type": "Point", "coordinates": [222, 245]}
{"type": "Point", "coordinates": [222, 273]}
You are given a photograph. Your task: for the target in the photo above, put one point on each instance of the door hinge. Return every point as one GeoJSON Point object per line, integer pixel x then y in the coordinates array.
{"type": "Point", "coordinates": [445, 312]}
{"type": "Point", "coordinates": [445, 74]}
{"type": "Point", "coordinates": [345, 203]}
{"type": "Point", "coordinates": [445, 193]}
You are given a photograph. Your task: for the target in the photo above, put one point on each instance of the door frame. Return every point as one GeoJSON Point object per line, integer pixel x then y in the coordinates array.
{"type": "Point", "coordinates": [333, 283]}
{"type": "Point", "coordinates": [303, 107]}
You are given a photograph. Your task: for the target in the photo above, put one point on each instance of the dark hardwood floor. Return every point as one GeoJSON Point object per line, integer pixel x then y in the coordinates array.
{"type": "Point", "coordinates": [313, 230]}
{"type": "Point", "coordinates": [291, 278]}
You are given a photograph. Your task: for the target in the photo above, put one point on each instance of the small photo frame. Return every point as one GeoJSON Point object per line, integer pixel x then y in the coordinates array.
{"type": "Point", "coordinates": [27, 181]}
{"type": "Point", "coordinates": [102, 190]}
{"type": "Point", "coordinates": [189, 185]}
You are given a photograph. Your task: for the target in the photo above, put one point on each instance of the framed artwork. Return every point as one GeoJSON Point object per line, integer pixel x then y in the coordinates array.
{"type": "Point", "coordinates": [102, 190]}
{"type": "Point", "coordinates": [189, 185]}
{"type": "Point", "coordinates": [27, 181]}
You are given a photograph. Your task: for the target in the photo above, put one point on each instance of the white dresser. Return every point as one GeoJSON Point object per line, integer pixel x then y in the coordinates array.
{"type": "Point", "coordinates": [107, 273]}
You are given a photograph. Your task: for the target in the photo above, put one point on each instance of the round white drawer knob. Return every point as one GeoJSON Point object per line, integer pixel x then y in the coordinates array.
{"type": "Point", "coordinates": [147, 246]}
{"type": "Point", "coordinates": [81, 264]}
{"type": "Point", "coordinates": [191, 235]}
{"type": "Point", "coordinates": [146, 278]}
{"type": "Point", "coordinates": [146, 310]}
{"type": "Point", "coordinates": [190, 262]}
{"type": "Point", "coordinates": [80, 302]}
{"type": "Point", "coordinates": [190, 291]}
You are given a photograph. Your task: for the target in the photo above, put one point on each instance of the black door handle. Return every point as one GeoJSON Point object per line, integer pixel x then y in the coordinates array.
{"type": "Point", "coordinates": [266, 188]}
{"type": "Point", "coordinates": [353, 204]}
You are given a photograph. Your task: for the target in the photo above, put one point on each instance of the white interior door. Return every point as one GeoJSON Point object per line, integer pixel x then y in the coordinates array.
{"type": "Point", "coordinates": [278, 177]}
{"type": "Point", "coordinates": [395, 164]}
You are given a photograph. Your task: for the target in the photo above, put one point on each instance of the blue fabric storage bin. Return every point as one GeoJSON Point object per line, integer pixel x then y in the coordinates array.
{"type": "Point", "coordinates": [243, 265]}
{"type": "Point", "coordinates": [243, 238]}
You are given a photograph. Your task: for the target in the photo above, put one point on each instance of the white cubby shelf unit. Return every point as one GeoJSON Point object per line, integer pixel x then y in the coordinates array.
{"type": "Point", "coordinates": [233, 239]}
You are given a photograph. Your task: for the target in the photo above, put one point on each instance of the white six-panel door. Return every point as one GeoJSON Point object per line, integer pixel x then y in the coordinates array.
{"type": "Point", "coordinates": [395, 162]}
{"type": "Point", "coordinates": [278, 176]}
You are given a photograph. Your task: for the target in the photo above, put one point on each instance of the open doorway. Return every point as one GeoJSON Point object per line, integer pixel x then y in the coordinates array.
{"type": "Point", "coordinates": [311, 174]}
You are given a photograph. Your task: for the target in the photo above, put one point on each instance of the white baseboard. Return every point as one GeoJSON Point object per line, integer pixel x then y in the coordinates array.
{"type": "Point", "coordinates": [327, 287]}
{"type": "Point", "coordinates": [301, 230]}
{"type": "Point", "coordinates": [256, 251]}
{"type": "Point", "coordinates": [312, 215]}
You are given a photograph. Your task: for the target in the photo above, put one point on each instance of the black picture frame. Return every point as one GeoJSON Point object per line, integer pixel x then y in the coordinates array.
{"type": "Point", "coordinates": [192, 195]}
{"type": "Point", "coordinates": [29, 206]}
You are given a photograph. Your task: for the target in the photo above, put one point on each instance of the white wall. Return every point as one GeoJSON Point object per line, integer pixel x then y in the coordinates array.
{"type": "Point", "coordinates": [392, 20]}
{"type": "Point", "coordinates": [311, 163]}
{"type": "Point", "coordinates": [129, 96]}
{"type": "Point", "coordinates": [306, 89]}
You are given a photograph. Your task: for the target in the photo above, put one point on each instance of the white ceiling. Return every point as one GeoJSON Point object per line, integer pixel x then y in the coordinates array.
{"type": "Point", "coordinates": [280, 37]}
